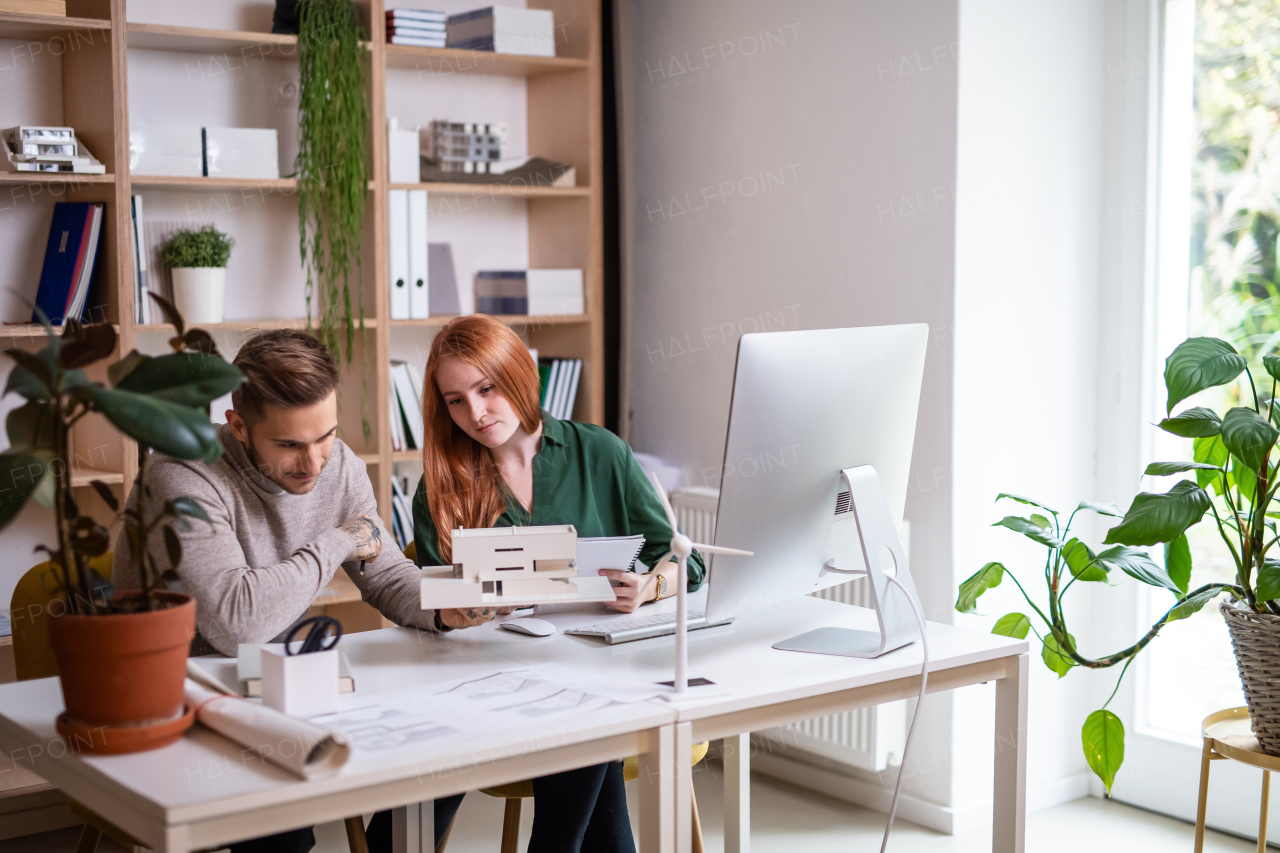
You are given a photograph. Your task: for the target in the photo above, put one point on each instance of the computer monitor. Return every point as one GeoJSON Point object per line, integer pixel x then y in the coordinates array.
{"type": "Point", "coordinates": [807, 406]}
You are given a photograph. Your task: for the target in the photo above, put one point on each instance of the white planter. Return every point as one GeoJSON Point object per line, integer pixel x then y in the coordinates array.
{"type": "Point", "coordinates": [200, 293]}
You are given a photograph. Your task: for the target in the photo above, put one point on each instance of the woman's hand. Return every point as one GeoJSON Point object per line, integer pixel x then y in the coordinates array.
{"type": "Point", "coordinates": [469, 617]}
{"type": "Point", "coordinates": [631, 589]}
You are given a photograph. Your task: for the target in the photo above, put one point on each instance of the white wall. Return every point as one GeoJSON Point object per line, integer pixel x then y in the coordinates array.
{"type": "Point", "coordinates": [792, 166]}
{"type": "Point", "coordinates": [1050, 271]}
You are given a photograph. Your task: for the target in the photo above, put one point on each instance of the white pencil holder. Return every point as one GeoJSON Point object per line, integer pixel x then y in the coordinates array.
{"type": "Point", "coordinates": [300, 685]}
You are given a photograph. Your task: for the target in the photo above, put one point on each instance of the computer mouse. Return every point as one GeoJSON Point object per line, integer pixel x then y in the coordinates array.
{"type": "Point", "coordinates": [527, 625]}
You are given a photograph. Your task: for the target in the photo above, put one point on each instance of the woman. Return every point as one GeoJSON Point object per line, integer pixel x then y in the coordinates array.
{"type": "Point", "coordinates": [493, 458]}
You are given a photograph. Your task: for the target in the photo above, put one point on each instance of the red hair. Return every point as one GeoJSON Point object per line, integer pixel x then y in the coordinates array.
{"type": "Point", "coordinates": [463, 485]}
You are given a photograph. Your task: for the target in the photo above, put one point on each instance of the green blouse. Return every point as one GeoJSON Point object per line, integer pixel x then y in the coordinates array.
{"type": "Point", "coordinates": [586, 476]}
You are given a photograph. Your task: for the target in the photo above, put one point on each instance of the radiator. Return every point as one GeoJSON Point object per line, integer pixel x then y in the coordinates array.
{"type": "Point", "coordinates": [868, 738]}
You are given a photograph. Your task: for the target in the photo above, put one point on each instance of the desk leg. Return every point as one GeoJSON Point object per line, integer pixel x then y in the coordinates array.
{"type": "Point", "coordinates": [1010, 820]}
{"type": "Point", "coordinates": [413, 828]}
{"type": "Point", "coordinates": [684, 788]}
{"type": "Point", "coordinates": [657, 791]}
{"type": "Point", "coordinates": [737, 793]}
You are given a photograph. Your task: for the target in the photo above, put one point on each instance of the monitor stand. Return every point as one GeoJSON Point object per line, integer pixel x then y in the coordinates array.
{"type": "Point", "coordinates": [895, 621]}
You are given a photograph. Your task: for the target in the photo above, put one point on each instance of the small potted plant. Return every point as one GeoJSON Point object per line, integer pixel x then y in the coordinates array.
{"type": "Point", "coordinates": [121, 657]}
{"type": "Point", "coordinates": [197, 259]}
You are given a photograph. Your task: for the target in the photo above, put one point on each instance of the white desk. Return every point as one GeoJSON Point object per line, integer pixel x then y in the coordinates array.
{"type": "Point", "coordinates": [204, 791]}
{"type": "Point", "coordinates": [767, 687]}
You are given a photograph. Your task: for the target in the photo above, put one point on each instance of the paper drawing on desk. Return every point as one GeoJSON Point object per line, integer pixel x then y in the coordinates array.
{"type": "Point", "coordinates": [482, 704]}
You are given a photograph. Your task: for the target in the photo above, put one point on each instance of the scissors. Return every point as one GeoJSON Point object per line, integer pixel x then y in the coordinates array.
{"type": "Point", "coordinates": [325, 631]}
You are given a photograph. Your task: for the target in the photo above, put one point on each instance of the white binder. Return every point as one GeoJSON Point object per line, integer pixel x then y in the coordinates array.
{"type": "Point", "coordinates": [418, 308]}
{"type": "Point", "coordinates": [398, 234]}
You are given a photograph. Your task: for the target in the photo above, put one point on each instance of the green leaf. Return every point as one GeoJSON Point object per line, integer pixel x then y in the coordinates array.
{"type": "Point", "coordinates": [186, 378]}
{"type": "Point", "coordinates": [1080, 560]}
{"type": "Point", "coordinates": [987, 577]}
{"type": "Point", "coordinates": [1244, 478]}
{"type": "Point", "coordinates": [1193, 423]}
{"type": "Point", "coordinates": [1012, 625]}
{"type": "Point", "coordinates": [1210, 451]}
{"type": "Point", "coordinates": [46, 490]}
{"type": "Point", "coordinates": [1020, 499]}
{"type": "Point", "coordinates": [1054, 657]}
{"type": "Point", "coordinates": [92, 343]}
{"type": "Point", "coordinates": [1267, 585]}
{"type": "Point", "coordinates": [172, 546]}
{"type": "Point", "coordinates": [177, 431]}
{"type": "Point", "coordinates": [1103, 740]}
{"type": "Point", "coordinates": [1029, 529]}
{"type": "Point", "coordinates": [1197, 364]}
{"type": "Point", "coordinates": [20, 472]}
{"type": "Point", "coordinates": [1164, 469]}
{"type": "Point", "coordinates": [1272, 364]}
{"type": "Point", "coordinates": [1100, 508]}
{"type": "Point", "coordinates": [1249, 436]}
{"type": "Point", "coordinates": [1177, 562]}
{"type": "Point", "coordinates": [1154, 518]}
{"type": "Point", "coordinates": [187, 507]}
{"type": "Point", "coordinates": [124, 366]}
{"type": "Point", "coordinates": [1195, 603]}
{"type": "Point", "coordinates": [1042, 522]}
{"type": "Point", "coordinates": [30, 426]}
{"type": "Point", "coordinates": [1138, 565]}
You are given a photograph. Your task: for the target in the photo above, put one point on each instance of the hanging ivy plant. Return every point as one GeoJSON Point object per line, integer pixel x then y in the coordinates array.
{"type": "Point", "coordinates": [332, 166]}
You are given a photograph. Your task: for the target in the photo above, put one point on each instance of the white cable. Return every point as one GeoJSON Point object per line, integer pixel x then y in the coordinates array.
{"type": "Point", "coordinates": [924, 681]}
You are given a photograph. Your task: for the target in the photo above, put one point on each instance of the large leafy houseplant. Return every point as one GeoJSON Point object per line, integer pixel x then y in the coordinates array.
{"type": "Point", "coordinates": [159, 402]}
{"type": "Point", "coordinates": [121, 657]}
{"type": "Point", "coordinates": [1235, 480]}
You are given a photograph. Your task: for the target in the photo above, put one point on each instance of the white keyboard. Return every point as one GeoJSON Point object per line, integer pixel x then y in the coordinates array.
{"type": "Point", "coordinates": [644, 627]}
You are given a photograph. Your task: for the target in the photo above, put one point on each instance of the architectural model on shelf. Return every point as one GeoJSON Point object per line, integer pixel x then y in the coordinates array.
{"type": "Point", "coordinates": [48, 149]}
{"type": "Point", "coordinates": [512, 567]}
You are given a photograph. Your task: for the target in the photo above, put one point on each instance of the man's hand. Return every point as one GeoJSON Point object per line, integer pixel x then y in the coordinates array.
{"type": "Point", "coordinates": [366, 534]}
{"type": "Point", "coordinates": [631, 589]}
{"type": "Point", "coordinates": [469, 617]}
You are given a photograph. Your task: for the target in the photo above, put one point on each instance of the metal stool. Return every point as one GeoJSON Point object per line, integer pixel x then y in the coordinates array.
{"type": "Point", "coordinates": [1229, 734]}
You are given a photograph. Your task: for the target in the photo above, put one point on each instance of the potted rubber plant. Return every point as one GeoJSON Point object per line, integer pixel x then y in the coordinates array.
{"type": "Point", "coordinates": [1234, 470]}
{"type": "Point", "coordinates": [121, 657]}
{"type": "Point", "coordinates": [197, 260]}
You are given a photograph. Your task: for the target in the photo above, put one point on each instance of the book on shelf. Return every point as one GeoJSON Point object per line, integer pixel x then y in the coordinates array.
{"type": "Point", "coordinates": [559, 377]}
{"type": "Point", "coordinates": [401, 514]}
{"type": "Point", "coordinates": [504, 29]}
{"type": "Point", "coordinates": [404, 388]}
{"type": "Point", "coordinates": [442, 281]}
{"type": "Point", "coordinates": [420, 16]}
{"type": "Point", "coordinates": [501, 292]}
{"type": "Point", "coordinates": [414, 40]}
{"type": "Point", "coordinates": [69, 260]}
{"type": "Point", "coordinates": [412, 27]}
{"type": "Point", "coordinates": [419, 259]}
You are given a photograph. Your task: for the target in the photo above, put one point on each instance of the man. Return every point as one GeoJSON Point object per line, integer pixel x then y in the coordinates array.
{"type": "Point", "coordinates": [289, 503]}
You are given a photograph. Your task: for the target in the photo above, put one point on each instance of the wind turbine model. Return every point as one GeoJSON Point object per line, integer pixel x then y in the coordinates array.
{"type": "Point", "coordinates": [682, 546]}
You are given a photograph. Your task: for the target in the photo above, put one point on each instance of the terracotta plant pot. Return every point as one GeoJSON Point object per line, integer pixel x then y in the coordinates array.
{"type": "Point", "coordinates": [124, 669]}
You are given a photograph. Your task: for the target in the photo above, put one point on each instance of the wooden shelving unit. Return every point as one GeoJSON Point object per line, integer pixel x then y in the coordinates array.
{"type": "Point", "coordinates": [565, 225]}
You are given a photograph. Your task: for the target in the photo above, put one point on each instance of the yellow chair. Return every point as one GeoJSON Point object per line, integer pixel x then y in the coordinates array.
{"type": "Point", "coordinates": [518, 791]}
{"type": "Point", "coordinates": [33, 658]}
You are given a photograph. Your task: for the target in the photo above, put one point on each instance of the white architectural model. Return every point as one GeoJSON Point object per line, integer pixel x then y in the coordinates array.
{"type": "Point", "coordinates": [511, 567]}
{"type": "Point", "coordinates": [47, 149]}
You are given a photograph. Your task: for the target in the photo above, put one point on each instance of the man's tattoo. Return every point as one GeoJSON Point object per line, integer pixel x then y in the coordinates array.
{"type": "Point", "coordinates": [363, 530]}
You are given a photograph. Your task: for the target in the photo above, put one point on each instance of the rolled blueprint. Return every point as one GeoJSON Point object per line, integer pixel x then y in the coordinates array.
{"type": "Point", "coordinates": [304, 749]}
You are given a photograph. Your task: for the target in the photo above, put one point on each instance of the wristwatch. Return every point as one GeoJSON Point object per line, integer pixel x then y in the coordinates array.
{"type": "Point", "coordinates": [662, 585]}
